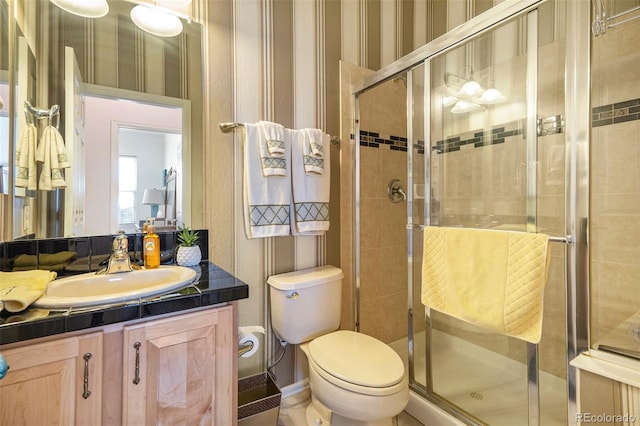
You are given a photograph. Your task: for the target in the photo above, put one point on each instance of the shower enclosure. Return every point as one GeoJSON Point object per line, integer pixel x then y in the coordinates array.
{"type": "Point", "coordinates": [481, 128]}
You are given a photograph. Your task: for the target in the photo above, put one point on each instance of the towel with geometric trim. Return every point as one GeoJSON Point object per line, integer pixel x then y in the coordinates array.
{"type": "Point", "coordinates": [272, 149]}
{"type": "Point", "coordinates": [310, 203]}
{"type": "Point", "coordinates": [313, 151]}
{"type": "Point", "coordinates": [267, 197]}
{"type": "Point", "coordinates": [493, 279]}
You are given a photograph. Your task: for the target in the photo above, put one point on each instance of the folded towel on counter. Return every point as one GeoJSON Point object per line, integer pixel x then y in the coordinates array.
{"type": "Point", "coordinates": [18, 290]}
{"type": "Point", "coordinates": [310, 202]}
{"type": "Point", "coordinates": [52, 154]}
{"type": "Point", "coordinates": [493, 279]}
{"type": "Point", "coordinates": [313, 151]}
{"type": "Point", "coordinates": [49, 261]}
{"type": "Point", "coordinates": [272, 149]}
{"type": "Point", "coordinates": [26, 169]}
{"type": "Point", "coordinates": [266, 197]}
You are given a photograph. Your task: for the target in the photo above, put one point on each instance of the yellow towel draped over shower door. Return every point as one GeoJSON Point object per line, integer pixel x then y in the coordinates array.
{"type": "Point", "coordinates": [493, 279]}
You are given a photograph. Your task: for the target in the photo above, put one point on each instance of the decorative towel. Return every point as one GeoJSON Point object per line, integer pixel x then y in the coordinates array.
{"type": "Point", "coordinates": [266, 198]}
{"type": "Point", "coordinates": [26, 169]}
{"type": "Point", "coordinates": [52, 154]}
{"type": "Point", "coordinates": [313, 151]}
{"type": "Point", "coordinates": [310, 212]}
{"type": "Point", "coordinates": [18, 290]}
{"type": "Point", "coordinates": [272, 149]}
{"type": "Point", "coordinates": [494, 279]}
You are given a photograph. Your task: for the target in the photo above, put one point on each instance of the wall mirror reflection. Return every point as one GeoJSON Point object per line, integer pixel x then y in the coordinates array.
{"type": "Point", "coordinates": [122, 91]}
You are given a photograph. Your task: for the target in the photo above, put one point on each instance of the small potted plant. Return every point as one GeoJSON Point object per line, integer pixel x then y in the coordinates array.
{"type": "Point", "coordinates": [189, 253]}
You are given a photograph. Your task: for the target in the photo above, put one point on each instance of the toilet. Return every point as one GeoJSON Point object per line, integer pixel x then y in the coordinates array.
{"type": "Point", "coordinates": [355, 379]}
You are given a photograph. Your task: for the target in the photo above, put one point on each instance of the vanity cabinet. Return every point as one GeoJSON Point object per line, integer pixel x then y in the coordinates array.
{"type": "Point", "coordinates": [177, 370]}
{"type": "Point", "coordinates": [181, 370]}
{"type": "Point", "coordinates": [56, 382]}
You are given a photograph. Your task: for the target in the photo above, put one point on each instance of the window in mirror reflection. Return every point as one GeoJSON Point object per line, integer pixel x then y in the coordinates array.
{"type": "Point", "coordinates": [128, 180]}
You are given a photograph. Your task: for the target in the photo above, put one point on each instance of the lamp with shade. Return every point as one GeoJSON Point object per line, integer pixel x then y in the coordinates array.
{"type": "Point", "coordinates": [153, 198]}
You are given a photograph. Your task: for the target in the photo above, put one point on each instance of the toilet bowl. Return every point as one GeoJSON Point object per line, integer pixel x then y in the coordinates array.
{"type": "Point", "coordinates": [355, 379]}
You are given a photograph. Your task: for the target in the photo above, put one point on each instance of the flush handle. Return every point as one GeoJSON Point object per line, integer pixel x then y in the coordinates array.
{"type": "Point", "coordinates": [293, 296]}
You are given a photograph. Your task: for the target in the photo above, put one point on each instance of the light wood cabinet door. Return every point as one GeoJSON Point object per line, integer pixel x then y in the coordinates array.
{"type": "Point", "coordinates": [45, 384]}
{"type": "Point", "coordinates": [180, 370]}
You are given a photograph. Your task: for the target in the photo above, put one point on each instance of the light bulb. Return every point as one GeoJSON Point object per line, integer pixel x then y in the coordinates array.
{"type": "Point", "coordinates": [470, 89]}
{"type": "Point", "coordinates": [156, 21]}
{"type": "Point", "coordinates": [84, 8]}
{"type": "Point", "coordinates": [447, 101]}
{"type": "Point", "coordinates": [491, 96]}
{"type": "Point", "coordinates": [464, 106]}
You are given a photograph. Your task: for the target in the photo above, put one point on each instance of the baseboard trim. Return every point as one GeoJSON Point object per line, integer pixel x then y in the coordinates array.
{"type": "Point", "coordinates": [299, 388]}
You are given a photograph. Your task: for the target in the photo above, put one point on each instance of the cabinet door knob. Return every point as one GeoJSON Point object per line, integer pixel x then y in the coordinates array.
{"type": "Point", "coordinates": [87, 393]}
{"type": "Point", "coordinates": [136, 377]}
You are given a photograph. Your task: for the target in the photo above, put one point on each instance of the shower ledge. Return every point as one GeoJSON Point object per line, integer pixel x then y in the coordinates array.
{"type": "Point", "coordinates": [620, 368]}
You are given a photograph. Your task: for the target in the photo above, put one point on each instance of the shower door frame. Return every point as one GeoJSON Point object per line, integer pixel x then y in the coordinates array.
{"type": "Point", "coordinates": [577, 119]}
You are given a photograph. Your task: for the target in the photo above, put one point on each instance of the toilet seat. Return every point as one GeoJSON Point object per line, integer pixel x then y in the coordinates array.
{"type": "Point", "coordinates": [357, 362]}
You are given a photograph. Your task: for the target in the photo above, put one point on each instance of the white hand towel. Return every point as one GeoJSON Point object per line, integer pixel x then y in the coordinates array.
{"type": "Point", "coordinates": [59, 160]}
{"type": "Point", "coordinates": [43, 155]}
{"type": "Point", "coordinates": [273, 134]}
{"type": "Point", "coordinates": [266, 198]}
{"type": "Point", "coordinates": [310, 212]}
{"type": "Point", "coordinates": [52, 154]}
{"type": "Point", "coordinates": [26, 169]}
{"type": "Point", "coordinates": [272, 151]}
{"type": "Point", "coordinates": [313, 151]}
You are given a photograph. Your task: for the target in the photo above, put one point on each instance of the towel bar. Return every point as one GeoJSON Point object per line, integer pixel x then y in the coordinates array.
{"type": "Point", "coordinates": [229, 126]}
{"type": "Point", "coordinates": [567, 239]}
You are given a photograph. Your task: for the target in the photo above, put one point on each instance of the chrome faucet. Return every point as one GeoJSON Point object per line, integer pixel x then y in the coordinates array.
{"type": "Point", "coordinates": [119, 260]}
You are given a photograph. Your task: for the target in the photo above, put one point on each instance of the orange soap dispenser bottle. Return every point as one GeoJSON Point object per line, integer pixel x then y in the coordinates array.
{"type": "Point", "coordinates": [151, 247]}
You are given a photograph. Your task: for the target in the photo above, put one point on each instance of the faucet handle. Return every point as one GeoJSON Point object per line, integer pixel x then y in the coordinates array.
{"type": "Point", "coordinates": [121, 242]}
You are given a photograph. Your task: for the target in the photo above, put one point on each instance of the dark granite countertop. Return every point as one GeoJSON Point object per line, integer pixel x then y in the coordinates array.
{"type": "Point", "coordinates": [211, 286]}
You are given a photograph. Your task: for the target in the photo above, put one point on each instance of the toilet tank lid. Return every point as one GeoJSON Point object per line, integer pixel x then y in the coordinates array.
{"type": "Point", "coordinates": [305, 277]}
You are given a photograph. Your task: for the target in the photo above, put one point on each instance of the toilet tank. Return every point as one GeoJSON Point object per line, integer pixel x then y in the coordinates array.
{"type": "Point", "coordinates": [306, 303]}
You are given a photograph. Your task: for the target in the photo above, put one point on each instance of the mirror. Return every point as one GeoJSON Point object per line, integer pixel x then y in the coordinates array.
{"type": "Point", "coordinates": [84, 61]}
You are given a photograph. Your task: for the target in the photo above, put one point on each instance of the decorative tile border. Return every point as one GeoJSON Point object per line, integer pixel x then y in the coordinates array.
{"type": "Point", "coordinates": [477, 139]}
{"type": "Point", "coordinates": [619, 112]}
{"type": "Point", "coordinates": [375, 140]}
{"type": "Point", "coordinates": [615, 113]}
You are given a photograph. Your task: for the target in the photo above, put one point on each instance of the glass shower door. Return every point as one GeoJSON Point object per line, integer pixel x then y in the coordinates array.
{"type": "Point", "coordinates": [479, 146]}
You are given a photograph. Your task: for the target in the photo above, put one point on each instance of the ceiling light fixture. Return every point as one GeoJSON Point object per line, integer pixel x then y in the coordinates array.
{"type": "Point", "coordinates": [156, 21]}
{"type": "Point", "coordinates": [470, 89]}
{"type": "Point", "coordinates": [491, 96]}
{"type": "Point", "coordinates": [84, 8]}
{"type": "Point", "coordinates": [463, 106]}
{"type": "Point", "coordinates": [467, 95]}
{"type": "Point", "coordinates": [174, 3]}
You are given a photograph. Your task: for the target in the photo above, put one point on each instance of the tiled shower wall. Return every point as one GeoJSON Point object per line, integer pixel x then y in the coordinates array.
{"type": "Point", "coordinates": [479, 177]}
{"type": "Point", "coordinates": [383, 235]}
{"type": "Point", "coordinates": [615, 178]}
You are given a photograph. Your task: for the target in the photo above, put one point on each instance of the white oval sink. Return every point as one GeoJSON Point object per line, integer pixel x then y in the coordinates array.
{"type": "Point", "coordinates": [91, 289]}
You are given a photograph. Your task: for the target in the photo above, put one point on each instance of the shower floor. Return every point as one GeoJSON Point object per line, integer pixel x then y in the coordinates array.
{"type": "Point", "coordinates": [486, 384]}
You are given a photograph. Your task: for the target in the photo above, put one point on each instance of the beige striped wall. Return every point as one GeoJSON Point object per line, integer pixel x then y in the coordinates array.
{"type": "Point", "coordinates": [279, 60]}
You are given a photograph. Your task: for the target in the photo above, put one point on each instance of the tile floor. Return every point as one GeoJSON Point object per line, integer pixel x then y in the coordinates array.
{"type": "Point", "coordinates": [292, 413]}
